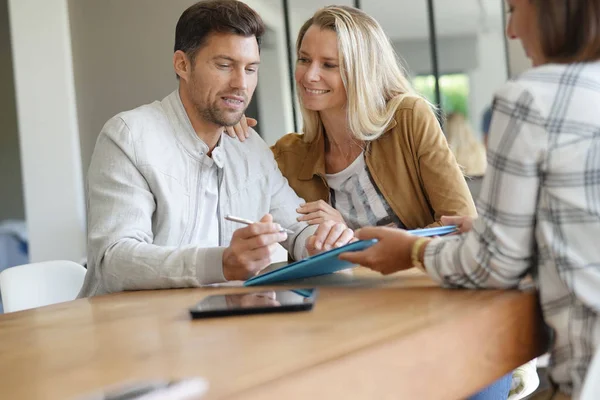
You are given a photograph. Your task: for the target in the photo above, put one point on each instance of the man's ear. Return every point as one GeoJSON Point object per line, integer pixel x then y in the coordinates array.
{"type": "Point", "coordinates": [182, 65]}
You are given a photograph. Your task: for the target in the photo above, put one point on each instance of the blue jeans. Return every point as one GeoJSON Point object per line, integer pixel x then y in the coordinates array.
{"type": "Point", "coordinates": [496, 391]}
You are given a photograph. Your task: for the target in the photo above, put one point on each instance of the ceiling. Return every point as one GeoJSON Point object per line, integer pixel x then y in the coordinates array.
{"type": "Point", "coordinates": [408, 19]}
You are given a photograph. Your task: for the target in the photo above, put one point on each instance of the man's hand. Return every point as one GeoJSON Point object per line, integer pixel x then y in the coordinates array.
{"type": "Point", "coordinates": [464, 224]}
{"type": "Point", "coordinates": [329, 235]}
{"type": "Point", "coordinates": [319, 211]}
{"type": "Point", "coordinates": [241, 129]}
{"type": "Point", "coordinates": [251, 248]}
{"type": "Point", "coordinates": [390, 254]}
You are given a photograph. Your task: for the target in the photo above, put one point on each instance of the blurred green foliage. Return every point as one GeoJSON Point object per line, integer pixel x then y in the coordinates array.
{"type": "Point", "coordinates": [454, 91]}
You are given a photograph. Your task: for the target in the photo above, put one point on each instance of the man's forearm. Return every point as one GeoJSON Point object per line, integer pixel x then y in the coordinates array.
{"type": "Point", "coordinates": [133, 265]}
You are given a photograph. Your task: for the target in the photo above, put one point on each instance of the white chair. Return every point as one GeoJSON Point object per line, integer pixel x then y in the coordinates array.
{"type": "Point", "coordinates": [40, 284]}
{"type": "Point", "coordinates": [591, 385]}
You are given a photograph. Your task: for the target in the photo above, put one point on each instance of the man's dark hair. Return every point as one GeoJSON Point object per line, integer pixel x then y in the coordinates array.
{"type": "Point", "coordinates": [220, 16]}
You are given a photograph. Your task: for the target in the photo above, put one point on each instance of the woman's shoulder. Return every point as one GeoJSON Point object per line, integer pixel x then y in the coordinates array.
{"type": "Point", "coordinates": [413, 106]}
{"type": "Point", "coordinates": [409, 102]}
{"type": "Point", "coordinates": [540, 82]}
{"type": "Point", "coordinates": [289, 144]}
{"type": "Point", "coordinates": [413, 113]}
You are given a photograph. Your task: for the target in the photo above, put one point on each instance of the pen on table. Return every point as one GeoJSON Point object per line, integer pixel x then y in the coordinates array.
{"type": "Point", "coordinates": [248, 222]}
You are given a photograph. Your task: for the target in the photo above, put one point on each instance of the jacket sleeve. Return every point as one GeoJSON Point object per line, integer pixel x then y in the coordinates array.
{"type": "Point", "coordinates": [441, 177]}
{"type": "Point", "coordinates": [121, 253]}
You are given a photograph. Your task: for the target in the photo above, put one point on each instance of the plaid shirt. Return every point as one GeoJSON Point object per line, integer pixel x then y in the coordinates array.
{"type": "Point", "coordinates": [539, 210]}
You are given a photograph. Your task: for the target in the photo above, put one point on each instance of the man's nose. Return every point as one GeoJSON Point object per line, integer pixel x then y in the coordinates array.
{"type": "Point", "coordinates": [239, 80]}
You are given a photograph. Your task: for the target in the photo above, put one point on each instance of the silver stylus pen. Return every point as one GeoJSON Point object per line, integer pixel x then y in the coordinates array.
{"type": "Point", "coordinates": [248, 222]}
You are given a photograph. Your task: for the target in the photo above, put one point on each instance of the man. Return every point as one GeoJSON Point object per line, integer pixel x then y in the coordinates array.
{"type": "Point", "coordinates": [164, 176]}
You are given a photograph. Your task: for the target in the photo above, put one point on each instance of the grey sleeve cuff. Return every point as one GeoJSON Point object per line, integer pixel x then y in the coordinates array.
{"type": "Point", "coordinates": [210, 266]}
{"type": "Point", "coordinates": [429, 261]}
{"type": "Point", "coordinates": [299, 251]}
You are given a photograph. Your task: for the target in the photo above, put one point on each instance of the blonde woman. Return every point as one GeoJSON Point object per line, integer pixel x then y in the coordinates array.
{"type": "Point", "coordinates": [540, 200]}
{"type": "Point", "coordinates": [372, 152]}
{"type": "Point", "coordinates": [468, 150]}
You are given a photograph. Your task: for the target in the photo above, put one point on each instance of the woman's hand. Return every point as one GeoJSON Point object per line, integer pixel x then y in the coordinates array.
{"type": "Point", "coordinates": [392, 252]}
{"type": "Point", "coordinates": [318, 212]}
{"type": "Point", "coordinates": [241, 129]}
{"type": "Point", "coordinates": [464, 224]}
{"type": "Point", "coordinates": [329, 235]}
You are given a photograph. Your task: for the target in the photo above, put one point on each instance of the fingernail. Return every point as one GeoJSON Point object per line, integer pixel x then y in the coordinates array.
{"type": "Point", "coordinates": [327, 247]}
{"type": "Point", "coordinates": [318, 245]}
{"type": "Point", "coordinates": [278, 227]}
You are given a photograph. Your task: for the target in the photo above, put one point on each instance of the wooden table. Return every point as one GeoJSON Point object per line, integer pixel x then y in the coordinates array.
{"type": "Point", "coordinates": [400, 337]}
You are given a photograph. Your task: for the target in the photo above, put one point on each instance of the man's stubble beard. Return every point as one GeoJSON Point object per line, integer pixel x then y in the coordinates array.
{"type": "Point", "coordinates": [213, 113]}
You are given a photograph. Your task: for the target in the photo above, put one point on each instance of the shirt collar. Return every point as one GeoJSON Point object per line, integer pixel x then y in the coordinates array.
{"type": "Point", "coordinates": [314, 161]}
{"type": "Point", "coordinates": [182, 127]}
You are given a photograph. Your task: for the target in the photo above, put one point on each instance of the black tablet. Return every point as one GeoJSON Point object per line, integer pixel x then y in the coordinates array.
{"type": "Point", "coordinates": [266, 301]}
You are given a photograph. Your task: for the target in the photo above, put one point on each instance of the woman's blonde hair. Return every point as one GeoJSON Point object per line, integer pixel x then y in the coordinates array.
{"type": "Point", "coordinates": [469, 152]}
{"type": "Point", "coordinates": [374, 80]}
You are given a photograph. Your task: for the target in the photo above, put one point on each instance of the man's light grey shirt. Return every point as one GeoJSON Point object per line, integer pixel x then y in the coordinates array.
{"type": "Point", "coordinates": [144, 192]}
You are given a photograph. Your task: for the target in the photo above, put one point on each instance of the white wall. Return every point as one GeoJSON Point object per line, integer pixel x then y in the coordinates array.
{"type": "Point", "coordinates": [491, 73]}
{"type": "Point", "coordinates": [517, 57]}
{"type": "Point", "coordinates": [274, 90]}
{"type": "Point", "coordinates": [11, 186]}
{"type": "Point", "coordinates": [48, 129]}
{"type": "Point", "coordinates": [455, 54]}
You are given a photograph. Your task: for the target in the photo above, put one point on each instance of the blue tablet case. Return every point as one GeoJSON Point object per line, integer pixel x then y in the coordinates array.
{"type": "Point", "coordinates": [319, 264]}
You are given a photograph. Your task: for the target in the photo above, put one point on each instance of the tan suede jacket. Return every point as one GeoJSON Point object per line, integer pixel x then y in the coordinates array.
{"type": "Point", "coordinates": [411, 164]}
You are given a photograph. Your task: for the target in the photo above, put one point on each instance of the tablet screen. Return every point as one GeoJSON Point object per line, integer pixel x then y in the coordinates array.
{"type": "Point", "coordinates": [254, 302]}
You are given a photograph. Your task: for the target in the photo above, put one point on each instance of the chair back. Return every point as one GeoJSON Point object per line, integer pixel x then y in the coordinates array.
{"type": "Point", "coordinates": [40, 284]}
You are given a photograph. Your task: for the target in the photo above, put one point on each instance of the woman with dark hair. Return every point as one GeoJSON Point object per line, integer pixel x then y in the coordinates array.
{"type": "Point", "coordinates": [539, 207]}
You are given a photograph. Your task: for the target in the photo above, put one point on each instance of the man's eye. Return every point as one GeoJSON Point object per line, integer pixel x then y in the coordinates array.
{"type": "Point", "coordinates": [303, 60]}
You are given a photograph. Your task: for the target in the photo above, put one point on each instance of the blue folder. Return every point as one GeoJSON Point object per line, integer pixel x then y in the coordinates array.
{"type": "Point", "coordinates": [437, 231]}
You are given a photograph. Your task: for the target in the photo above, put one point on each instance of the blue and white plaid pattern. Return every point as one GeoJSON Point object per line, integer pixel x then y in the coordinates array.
{"type": "Point", "coordinates": [539, 210]}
